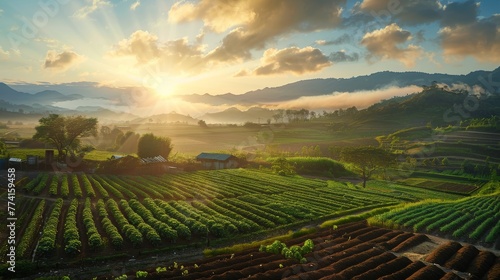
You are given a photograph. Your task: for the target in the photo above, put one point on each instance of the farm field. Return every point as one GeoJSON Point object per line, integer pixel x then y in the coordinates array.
{"type": "Point", "coordinates": [82, 215]}
{"type": "Point", "coordinates": [440, 185]}
{"type": "Point", "coordinates": [351, 251]}
{"type": "Point", "coordinates": [24, 152]}
{"type": "Point", "coordinates": [474, 219]}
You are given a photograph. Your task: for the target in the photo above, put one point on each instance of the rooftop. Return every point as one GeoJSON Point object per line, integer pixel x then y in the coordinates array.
{"type": "Point", "coordinates": [213, 156]}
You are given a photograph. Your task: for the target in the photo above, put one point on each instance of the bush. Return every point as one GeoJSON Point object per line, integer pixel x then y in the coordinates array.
{"type": "Point", "coordinates": [294, 252]}
{"type": "Point", "coordinates": [123, 165]}
{"type": "Point", "coordinates": [319, 166]}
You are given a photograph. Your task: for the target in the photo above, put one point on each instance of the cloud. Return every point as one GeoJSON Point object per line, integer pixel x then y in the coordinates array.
{"type": "Point", "coordinates": [135, 5]}
{"type": "Point", "coordinates": [172, 56]}
{"type": "Point", "coordinates": [337, 100]}
{"type": "Point", "coordinates": [408, 12]}
{"type": "Point", "coordinates": [61, 61]}
{"type": "Point", "coordinates": [242, 73]}
{"type": "Point", "coordinates": [292, 60]}
{"type": "Point", "coordinates": [458, 13]}
{"type": "Point", "coordinates": [88, 9]}
{"type": "Point", "coordinates": [480, 39]}
{"type": "Point", "coordinates": [4, 54]}
{"type": "Point", "coordinates": [216, 15]}
{"type": "Point", "coordinates": [142, 45]}
{"type": "Point", "coordinates": [342, 56]}
{"type": "Point", "coordinates": [383, 44]}
{"type": "Point", "coordinates": [254, 23]}
{"type": "Point", "coordinates": [340, 40]}
{"type": "Point", "coordinates": [475, 89]}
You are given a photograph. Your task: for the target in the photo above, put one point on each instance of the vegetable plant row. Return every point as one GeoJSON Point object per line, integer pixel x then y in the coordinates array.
{"type": "Point", "coordinates": [121, 212]}
{"type": "Point", "coordinates": [475, 218]}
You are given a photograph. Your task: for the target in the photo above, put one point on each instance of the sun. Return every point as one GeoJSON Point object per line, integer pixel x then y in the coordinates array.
{"type": "Point", "coordinates": [164, 87]}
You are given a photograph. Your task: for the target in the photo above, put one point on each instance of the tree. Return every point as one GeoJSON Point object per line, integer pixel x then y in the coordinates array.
{"type": "Point", "coordinates": [3, 149]}
{"type": "Point", "coordinates": [202, 123]}
{"type": "Point", "coordinates": [150, 146]}
{"type": "Point", "coordinates": [283, 167]}
{"type": "Point", "coordinates": [367, 159]}
{"type": "Point", "coordinates": [445, 162]}
{"type": "Point", "coordinates": [65, 132]}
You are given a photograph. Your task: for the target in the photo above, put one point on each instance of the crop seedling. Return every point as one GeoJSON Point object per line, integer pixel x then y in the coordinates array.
{"type": "Point", "coordinates": [141, 274]}
{"type": "Point", "coordinates": [161, 269]}
{"type": "Point", "coordinates": [294, 252]}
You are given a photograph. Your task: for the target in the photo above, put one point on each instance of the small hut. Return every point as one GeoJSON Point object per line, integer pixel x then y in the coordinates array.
{"type": "Point", "coordinates": [217, 161]}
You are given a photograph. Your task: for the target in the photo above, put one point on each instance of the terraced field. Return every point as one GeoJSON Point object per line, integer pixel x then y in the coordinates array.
{"type": "Point", "coordinates": [439, 185]}
{"type": "Point", "coordinates": [352, 251]}
{"type": "Point", "coordinates": [475, 219]}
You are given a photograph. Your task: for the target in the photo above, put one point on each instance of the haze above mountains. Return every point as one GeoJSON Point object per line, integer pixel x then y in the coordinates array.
{"type": "Point", "coordinates": [25, 101]}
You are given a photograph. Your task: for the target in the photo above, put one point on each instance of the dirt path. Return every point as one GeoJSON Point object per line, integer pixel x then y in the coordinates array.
{"type": "Point", "coordinates": [60, 231]}
{"type": "Point", "coordinates": [81, 228]}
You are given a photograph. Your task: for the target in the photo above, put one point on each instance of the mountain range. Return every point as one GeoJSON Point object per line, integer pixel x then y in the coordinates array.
{"type": "Point", "coordinates": [15, 101]}
{"type": "Point", "coordinates": [45, 97]}
{"type": "Point", "coordinates": [318, 87]}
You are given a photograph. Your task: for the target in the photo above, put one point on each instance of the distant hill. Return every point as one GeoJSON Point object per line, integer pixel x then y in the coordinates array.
{"type": "Point", "coordinates": [171, 117]}
{"type": "Point", "coordinates": [103, 114]}
{"type": "Point", "coordinates": [318, 87]}
{"type": "Point", "coordinates": [234, 115]}
{"type": "Point", "coordinates": [437, 106]}
{"type": "Point", "coordinates": [45, 97]}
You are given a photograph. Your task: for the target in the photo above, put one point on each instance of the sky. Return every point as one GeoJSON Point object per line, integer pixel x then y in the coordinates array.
{"type": "Point", "coordinates": [220, 46]}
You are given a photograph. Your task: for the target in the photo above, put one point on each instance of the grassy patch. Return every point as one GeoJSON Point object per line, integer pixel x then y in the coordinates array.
{"type": "Point", "coordinates": [408, 191]}
{"type": "Point", "coordinates": [489, 188]}
{"type": "Point", "coordinates": [356, 218]}
{"type": "Point", "coordinates": [412, 133]}
{"type": "Point", "coordinates": [440, 185]}
{"type": "Point", "coordinates": [96, 155]}
{"type": "Point", "coordinates": [319, 166]}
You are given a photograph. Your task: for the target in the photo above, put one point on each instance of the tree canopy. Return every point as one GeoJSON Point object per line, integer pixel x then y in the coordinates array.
{"type": "Point", "coordinates": [65, 132]}
{"type": "Point", "coordinates": [367, 159]}
{"type": "Point", "coordinates": [150, 146]}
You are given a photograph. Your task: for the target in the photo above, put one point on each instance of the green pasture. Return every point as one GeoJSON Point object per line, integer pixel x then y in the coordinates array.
{"type": "Point", "coordinates": [22, 153]}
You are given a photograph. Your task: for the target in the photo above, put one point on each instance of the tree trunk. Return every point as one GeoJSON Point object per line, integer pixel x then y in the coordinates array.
{"type": "Point", "coordinates": [364, 178]}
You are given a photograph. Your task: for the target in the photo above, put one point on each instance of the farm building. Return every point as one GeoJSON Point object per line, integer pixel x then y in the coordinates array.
{"type": "Point", "coordinates": [217, 161]}
{"type": "Point", "coordinates": [156, 159]}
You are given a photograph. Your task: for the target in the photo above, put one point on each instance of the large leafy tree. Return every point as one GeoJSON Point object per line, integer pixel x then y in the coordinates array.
{"type": "Point", "coordinates": [65, 132]}
{"type": "Point", "coordinates": [150, 146]}
{"type": "Point", "coordinates": [367, 159]}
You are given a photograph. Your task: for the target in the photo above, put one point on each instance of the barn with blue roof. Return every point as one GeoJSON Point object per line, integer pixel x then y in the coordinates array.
{"type": "Point", "coordinates": [217, 161]}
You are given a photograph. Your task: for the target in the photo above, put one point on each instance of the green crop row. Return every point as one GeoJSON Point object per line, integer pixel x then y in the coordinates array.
{"type": "Point", "coordinates": [77, 190]}
{"type": "Point", "coordinates": [471, 217]}
{"type": "Point", "coordinates": [71, 235]}
{"type": "Point", "coordinates": [111, 230]}
{"type": "Point", "coordinates": [162, 228]}
{"type": "Point", "coordinates": [95, 240]}
{"type": "Point", "coordinates": [49, 233]}
{"type": "Point", "coordinates": [31, 230]}
{"type": "Point", "coordinates": [125, 227]}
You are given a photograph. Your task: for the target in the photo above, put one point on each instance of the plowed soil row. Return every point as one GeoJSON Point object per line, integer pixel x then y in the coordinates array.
{"type": "Point", "coordinates": [352, 251]}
